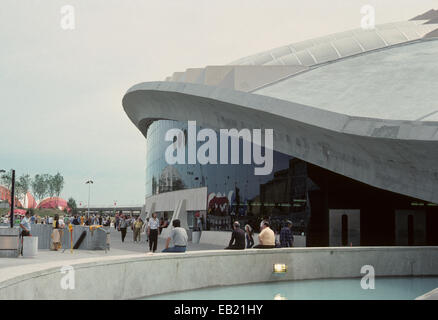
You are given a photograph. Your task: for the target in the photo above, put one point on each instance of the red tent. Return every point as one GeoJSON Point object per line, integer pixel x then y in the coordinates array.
{"type": "Point", "coordinates": [18, 212]}
{"type": "Point", "coordinates": [5, 194]}
{"type": "Point", "coordinates": [53, 203]}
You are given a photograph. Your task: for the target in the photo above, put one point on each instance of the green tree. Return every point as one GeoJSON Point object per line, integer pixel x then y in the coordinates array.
{"type": "Point", "coordinates": [6, 179]}
{"type": "Point", "coordinates": [46, 180]}
{"type": "Point", "coordinates": [22, 186]}
{"type": "Point", "coordinates": [58, 183]}
{"type": "Point", "coordinates": [55, 185]}
{"type": "Point", "coordinates": [50, 181]}
{"type": "Point", "coordinates": [39, 186]}
{"type": "Point", "coordinates": [72, 205]}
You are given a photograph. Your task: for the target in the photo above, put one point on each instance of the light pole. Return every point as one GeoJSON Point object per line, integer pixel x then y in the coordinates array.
{"type": "Point", "coordinates": [89, 182]}
{"type": "Point", "coordinates": [12, 195]}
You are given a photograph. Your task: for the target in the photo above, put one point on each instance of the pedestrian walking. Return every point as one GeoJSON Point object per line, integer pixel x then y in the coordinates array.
{"type": "Point", "coordinates": [123, 226]}
{"type": "Point", "coordinates": [153, 226]}
{"type": "Point", "coordinates": [138, 224]}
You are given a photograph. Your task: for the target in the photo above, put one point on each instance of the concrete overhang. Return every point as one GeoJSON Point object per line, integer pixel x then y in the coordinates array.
{"type": "Point", "coordinates": [398, 156]}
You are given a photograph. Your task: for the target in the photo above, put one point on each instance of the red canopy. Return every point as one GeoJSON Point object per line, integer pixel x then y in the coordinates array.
{"type": "Point", "coordinates": [19, 212]}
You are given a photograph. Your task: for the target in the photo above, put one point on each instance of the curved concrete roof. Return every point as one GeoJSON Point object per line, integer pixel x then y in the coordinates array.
{"type": "Point", "coordinates": [362, 115]}
{"type": "Point", "coordinates": [343, 44]}
{"type": "Point", "coordinates": [398, 156]}
{"type": "Point", "coordinates": [398, 83]}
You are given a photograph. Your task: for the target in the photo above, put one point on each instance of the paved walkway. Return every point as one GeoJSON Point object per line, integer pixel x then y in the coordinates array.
{"type": "Point", "coordinates": [143, 246]}
{"type": "Point", "coordinates": [117, 249]}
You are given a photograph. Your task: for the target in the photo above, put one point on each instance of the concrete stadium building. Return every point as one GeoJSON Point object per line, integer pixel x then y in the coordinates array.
{"type": "Point", "coordinates": [355, 120]}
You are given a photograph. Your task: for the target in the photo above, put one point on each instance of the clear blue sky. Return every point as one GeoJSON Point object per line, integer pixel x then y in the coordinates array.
{"type": "Point", "coordinates": [61, 91]}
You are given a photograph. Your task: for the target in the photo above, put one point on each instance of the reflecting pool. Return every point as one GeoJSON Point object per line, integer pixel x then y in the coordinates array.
{"type": "Point", "coordinates": [385, 288]}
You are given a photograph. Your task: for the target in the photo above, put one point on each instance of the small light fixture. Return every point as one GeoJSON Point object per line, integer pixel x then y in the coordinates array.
{"type": "Point", "coordinates": [278, 296]}
{"type": "Point", "coordinates": [280, 268]}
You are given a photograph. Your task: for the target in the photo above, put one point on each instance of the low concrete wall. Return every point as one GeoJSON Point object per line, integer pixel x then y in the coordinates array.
{"type": "Point", "coordinates": [128, 277]}
{"type": "Point", "coordinates": [9, 242]}
{"type": "Point", "coordinates": [220, 238]}
{"type": "Point", "coordinates": [431, 295]}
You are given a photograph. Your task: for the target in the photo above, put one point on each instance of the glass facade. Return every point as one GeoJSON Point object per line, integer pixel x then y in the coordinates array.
{"type": "Point", "coordinates": [233, 189]}
{"type": "Point", "coordinates": [296, 190]}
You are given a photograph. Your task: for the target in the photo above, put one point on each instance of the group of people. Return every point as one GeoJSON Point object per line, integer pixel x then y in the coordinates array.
{"type": "Point", "coordinates": [58, 226]}
{"type": "Point", "coordinates": [73, 219]}
{"type": "Point", "coordinates": [153, 227]}
{"type": "Point", "coordinates": [241, 239]}
{"type": "Point", "coordinates": [78, 220]}
{"type": "Point", "coordinates": [178, 235]}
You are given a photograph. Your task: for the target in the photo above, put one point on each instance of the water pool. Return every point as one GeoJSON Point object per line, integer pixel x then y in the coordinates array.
{"type": "Point", "coordinates": [386, 288]}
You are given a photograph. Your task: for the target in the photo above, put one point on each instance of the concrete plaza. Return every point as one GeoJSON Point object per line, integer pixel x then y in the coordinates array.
{"type": "Point", "coordinates": [117, 249]}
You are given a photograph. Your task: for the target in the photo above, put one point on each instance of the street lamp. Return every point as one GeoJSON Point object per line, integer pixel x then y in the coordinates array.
{"type": "Point", "coordinates": [89, 182]}
{"type": "Point", "coordinates": [12, 195]}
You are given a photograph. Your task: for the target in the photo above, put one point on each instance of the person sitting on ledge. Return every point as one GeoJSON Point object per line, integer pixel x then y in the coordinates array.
{"type": "Point", "coordinates": [179, 238]}
{"type": "Point", "coordinates": [237, 241]}
{"type": "Point", "coordinates": [266, 237]}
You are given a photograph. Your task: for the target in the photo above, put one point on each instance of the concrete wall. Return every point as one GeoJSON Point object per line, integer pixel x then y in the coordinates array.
{"type": "Point", "coordinates": [401, 227]}
{"type": "Point", "coordinates": [196, 199]}
{"type": "Point", "coordinates": [179, 202]}
{"type": "Point", "coordinates": [335, 227]}
{"type": "Point", "coordinates": [128, 277]}
{"type": "Point", "coordinates": [431, 295]}
{"type": "Point", "coordinates": [9, 241]}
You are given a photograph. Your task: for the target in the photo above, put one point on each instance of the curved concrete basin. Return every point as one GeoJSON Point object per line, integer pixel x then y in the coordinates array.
{"type": "Point", "coordinates": [140, 275]}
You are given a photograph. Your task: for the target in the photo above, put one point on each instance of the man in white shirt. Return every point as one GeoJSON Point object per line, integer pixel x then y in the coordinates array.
{"type": "Point", "coordinates": [153, 225]}
{"type": "Point", "coordinates": [25, 225]}
{"type": "Point", "coordinates": [25, 228]}
{"type": "Point", "coordinates": [179, 238]}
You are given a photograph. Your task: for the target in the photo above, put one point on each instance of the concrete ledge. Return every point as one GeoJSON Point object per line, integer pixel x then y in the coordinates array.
{"type": "Point", "coordinates": [432, 295]}
{"type": "Point", "coordinates": [221, 238]}
{"type": "Point", "coordinates": [139, 275]}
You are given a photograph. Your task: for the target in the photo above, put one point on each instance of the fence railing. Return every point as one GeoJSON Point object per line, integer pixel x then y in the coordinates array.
{"type": "Point", "coordinates": [95, 239]}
